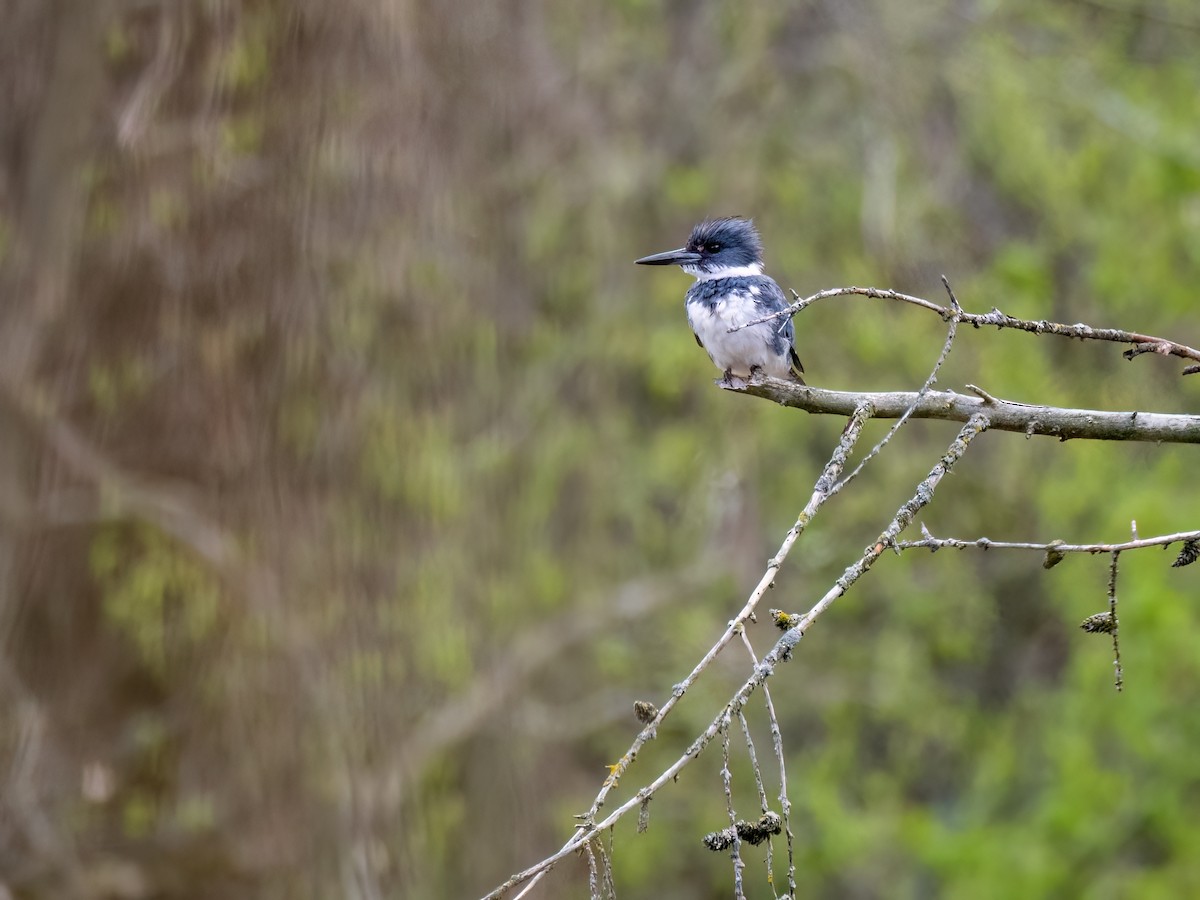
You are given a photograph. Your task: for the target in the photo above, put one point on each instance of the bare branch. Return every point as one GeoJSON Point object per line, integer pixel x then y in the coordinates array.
{"type": "Point", "coordinates": [1142, 343]}
{"type": "Point", "coordinates": [821, 493]}
{"type": "Point", "coordinates": [781, 652]}
{"type": "Point", "coordinates": [829, 476]}
{"type": "Point", "coordinates": [785, 803]}
{"type": "Point", "coordinates": [903, 518]}
{"type": "Point", "coordinates": [1004, 415]}
{"type": "Point", "coordinates": [735, 844]}
{"type": "Point", "coordinates": [1108, 622]}
{"type": "Point", "coordinates": [929, 542]}
{"type": "Point", "coordinates": [593, 872]}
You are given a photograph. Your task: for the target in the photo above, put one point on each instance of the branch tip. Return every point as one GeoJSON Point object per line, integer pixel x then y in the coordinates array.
{"type": "Point", "coordinates": [983, 395]}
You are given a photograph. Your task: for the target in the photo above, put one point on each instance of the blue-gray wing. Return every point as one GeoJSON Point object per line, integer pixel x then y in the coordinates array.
{"type": "Point", "coordinates": [770, 299]}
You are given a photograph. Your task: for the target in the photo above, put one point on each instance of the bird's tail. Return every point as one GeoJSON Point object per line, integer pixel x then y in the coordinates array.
{"type": "Point", "coordinates": [797, 368]}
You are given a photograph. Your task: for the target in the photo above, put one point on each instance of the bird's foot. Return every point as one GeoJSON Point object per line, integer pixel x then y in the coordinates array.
{"type": "Point", "coordinates": [757, 373]}
{"type": "Point", "coordinates": [731, 381]}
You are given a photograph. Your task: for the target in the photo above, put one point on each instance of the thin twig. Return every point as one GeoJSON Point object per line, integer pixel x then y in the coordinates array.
{"type": "Point", "coordinates": [925, 388]}
{"type": "Point", "coordinates": [1112, 612]}
{"type": "Point", "coordinates": [593, 873]}
{"type": "Point", "coordinates": [763, 803]}
{"type": "Point", "coordinates": [784, 803]}
{"type": "Point", "coordinates": [610, 887]}
{"type": "Point", "coordinates": [735, 852]}
{"type": "Point", "coordinates": [1142, 343]}
{"type": "Point", "coordinates": [904, 517]}
{"type": "Point", "coordinates": [929, 542]}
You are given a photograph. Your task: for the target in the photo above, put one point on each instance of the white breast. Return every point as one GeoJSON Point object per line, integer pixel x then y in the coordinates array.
{"type": "Point", "coordinates": [738, 351]}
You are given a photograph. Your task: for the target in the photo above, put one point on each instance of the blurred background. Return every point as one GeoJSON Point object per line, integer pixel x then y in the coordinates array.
{"type": "Point", "coordinates": [354, 483]}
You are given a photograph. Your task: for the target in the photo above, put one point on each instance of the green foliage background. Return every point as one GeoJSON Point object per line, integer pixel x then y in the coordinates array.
{"type": "Point", "coordinates": [399, 483]}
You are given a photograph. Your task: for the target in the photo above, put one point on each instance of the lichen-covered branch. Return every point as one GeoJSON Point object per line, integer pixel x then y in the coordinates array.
{"type": "Point", "coordinates": [1004, 415]}
{"type": "Point", "coordinates": [902, 519]}
{"type": "Point", "coordinates": [821, 492]}
{"type": "Point", "coordinates": [929, 542]}
{"type": "Point", "coordinates": [1118, 675]}
{"type": "Point", "coordinates": [781, 652]}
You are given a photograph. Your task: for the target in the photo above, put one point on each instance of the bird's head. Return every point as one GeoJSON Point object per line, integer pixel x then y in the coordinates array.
{"type": "Point", "coordinates": [717, 248]}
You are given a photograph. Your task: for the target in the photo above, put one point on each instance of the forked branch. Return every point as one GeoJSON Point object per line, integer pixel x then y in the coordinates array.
{"type": "Point", "coordinates": [781, 652]}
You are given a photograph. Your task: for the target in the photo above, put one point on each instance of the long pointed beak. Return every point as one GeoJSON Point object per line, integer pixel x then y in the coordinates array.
{"type": "Point", "coordinates": [680, 257]}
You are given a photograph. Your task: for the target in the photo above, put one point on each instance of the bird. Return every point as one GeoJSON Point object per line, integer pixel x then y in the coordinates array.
{"type": "Point", "coordinates": [725, 255]}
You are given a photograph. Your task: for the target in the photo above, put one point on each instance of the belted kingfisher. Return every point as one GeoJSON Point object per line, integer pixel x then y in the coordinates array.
{"type": "Point", "coordinates": [725, 255]}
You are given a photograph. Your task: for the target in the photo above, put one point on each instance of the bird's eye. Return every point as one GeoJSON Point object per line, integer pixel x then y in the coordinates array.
{"type": "Point", "coordinates": [713, 248]}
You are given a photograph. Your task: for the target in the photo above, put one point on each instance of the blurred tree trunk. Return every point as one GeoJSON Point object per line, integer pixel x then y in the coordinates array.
{"type": "Point", "coordinates": [47, 161]}
{"type": "Point", "coordinates": [53, 203]}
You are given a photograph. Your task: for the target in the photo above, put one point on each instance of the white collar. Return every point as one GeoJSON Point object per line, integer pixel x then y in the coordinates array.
{"type": "Point", "coordinates": [725, 272]}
